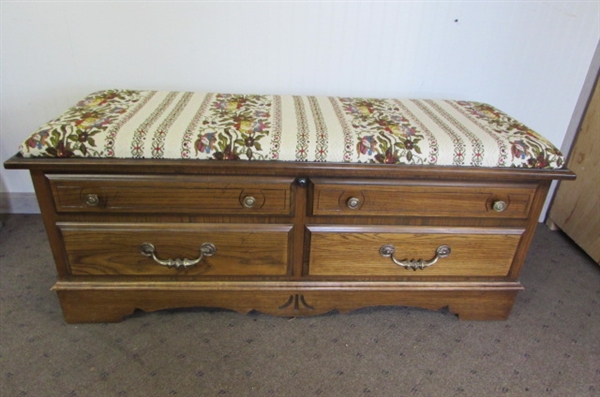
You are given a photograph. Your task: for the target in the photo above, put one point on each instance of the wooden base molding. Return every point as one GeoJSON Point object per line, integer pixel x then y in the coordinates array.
{"type": "Point", "coordinates": [111, 302]}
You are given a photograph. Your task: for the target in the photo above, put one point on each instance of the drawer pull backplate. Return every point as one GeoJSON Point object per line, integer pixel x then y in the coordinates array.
{"type": "Point", "coordinates": [206, 249]}
{"type": "Point", "coordinates": [387, 251]}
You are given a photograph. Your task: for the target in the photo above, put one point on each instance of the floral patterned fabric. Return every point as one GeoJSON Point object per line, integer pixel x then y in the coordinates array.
{"type": "Point", "coordinates": [186, 125]}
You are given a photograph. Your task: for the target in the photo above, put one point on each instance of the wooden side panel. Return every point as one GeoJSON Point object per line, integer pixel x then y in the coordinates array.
{"type": "Point", "coordinates": [575, 206]}
{"type": "Point", "coordinates": [355, 251]}
{"type": "Point", "coordinates": [114, 249]}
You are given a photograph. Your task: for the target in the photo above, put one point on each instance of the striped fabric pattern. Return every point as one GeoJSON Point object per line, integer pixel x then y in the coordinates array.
{"type": "Point", "coordinates": [203, 126]}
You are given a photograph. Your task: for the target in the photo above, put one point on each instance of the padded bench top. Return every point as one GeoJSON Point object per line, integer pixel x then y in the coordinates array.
{"type": "Point", "coordinates": [187, 125]}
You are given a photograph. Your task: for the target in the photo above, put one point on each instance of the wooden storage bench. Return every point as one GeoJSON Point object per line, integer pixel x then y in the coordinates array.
{"type": "Point", "coordinates": [289, 205]}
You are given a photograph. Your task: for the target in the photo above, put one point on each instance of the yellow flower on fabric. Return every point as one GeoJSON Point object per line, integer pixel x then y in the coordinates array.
{"type": "Point", "coordinates": [94, 102]}
{"type": "Point", "coordinates": [364, 110]}
{"type": "Point", "coordinates": [246, 126]}
{"type": "Point", "coordinates": [88, 122]}
{"type": "Point", "coordinates": [394, 128]}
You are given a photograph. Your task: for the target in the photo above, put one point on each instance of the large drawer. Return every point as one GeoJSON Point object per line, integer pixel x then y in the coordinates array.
{"type": "Point", "coordinates": [116, 249]}
{"type": "Point", "coordinates": [171, 194]}
{"type": "Point", "coordinates": [357, 251]}
{"type": "Point", "coordinates": [424, 199]}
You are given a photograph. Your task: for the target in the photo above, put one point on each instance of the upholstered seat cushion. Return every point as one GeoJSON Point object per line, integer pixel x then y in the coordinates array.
{"type": "Point", "coordinates": [186, 125]}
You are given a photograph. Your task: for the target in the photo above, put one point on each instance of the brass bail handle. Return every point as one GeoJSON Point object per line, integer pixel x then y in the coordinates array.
{"type": "Point", "coordinates": [388, 250]}
{"type": "Point", "coordinates": [206, 249]}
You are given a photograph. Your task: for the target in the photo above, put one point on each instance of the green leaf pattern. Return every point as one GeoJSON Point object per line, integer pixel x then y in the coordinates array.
{"type": "Point", "coordinates": [384, 134]}
{"type": "Point", "coordinates": [73, 133]}
{"type": "Point", "coordinates": [528, 149]}
{"type": "Point", "coordinates": [235, 127]}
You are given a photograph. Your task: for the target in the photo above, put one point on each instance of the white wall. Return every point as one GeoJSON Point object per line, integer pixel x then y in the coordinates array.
{"type": "Point", "coordinates": [528, 58]}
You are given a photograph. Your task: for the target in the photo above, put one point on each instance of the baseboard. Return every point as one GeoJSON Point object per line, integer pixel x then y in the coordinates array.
{"type": "Point", "coordinates": [18, 203]}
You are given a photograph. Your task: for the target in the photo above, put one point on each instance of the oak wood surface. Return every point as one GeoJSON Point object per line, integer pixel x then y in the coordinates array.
{"type": "Point", "coordinates": [331, 197]}
{"type": "Point", "coordinates": [110, 302]}
{"type": "Point", "coordinates": [114, 249]}
{"type": "Point", "coordinates": [281, 168]}
{"type": "Point", "coordinates": [305, 251]}
{"type": "Point", "coordinates": [575, 205]}
{"type": "Point", "coordinates": [148, 194]}
{"type": "Point", "coordinates": [356, 253]}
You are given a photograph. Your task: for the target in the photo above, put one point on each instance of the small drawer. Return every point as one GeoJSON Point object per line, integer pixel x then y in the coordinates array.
{"type": "Point", "coordinates": [218, 249]}
{"type": "Point", "coordinates": [171, 194]}
{"type": "Point", "coordinates": [371, 251]}
{"type": "Point", "coordinates": [381, 198]}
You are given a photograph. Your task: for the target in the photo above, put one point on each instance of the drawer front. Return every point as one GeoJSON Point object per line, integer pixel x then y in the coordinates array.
{"type": "Point", "coordinates": [372, 198]}
{"type": "Point", "coordinates": [115, 249]}
{"type": "Point", "coordinates": [171, 194]}
{"type": "Point", "coordinates": [355, 251]}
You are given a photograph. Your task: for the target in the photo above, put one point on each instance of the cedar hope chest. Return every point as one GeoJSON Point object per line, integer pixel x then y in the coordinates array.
{"type": "Point", "coordinates": [289, 205]}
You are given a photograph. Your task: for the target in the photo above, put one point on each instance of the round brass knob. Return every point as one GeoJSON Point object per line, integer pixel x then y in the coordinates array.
{"type": "Point", "coordinates": [92, 200]}
{"type": "Point", "coordinates": [499, 206]}
{"type": "Point", "coordinates": [353, 203]}
{"type": "Point", "coordinates": [249, 201]}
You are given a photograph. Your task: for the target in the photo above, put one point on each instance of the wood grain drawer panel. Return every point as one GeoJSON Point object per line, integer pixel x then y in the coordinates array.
{"type": "Point", "coordinates": [354, 251]}
{"type": "Point", "coordinates": [332, 197]}
{"type": "Point", "coordinates": [114, 249]}
{"type": "Point", "coordinates": [171, 194]}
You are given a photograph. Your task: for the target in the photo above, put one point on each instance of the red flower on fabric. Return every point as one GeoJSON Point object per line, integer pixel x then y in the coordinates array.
{"type": "Point", "coordinates": [206, 143]}
{"type": "Point", "coordinates": [228, 154]}
{"type": "Point", "coordinates": [367, 145]}
{"type": "Point", "coordinates": [389, 158]}
{"type": "Point", "coordinates": [519, 149]}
